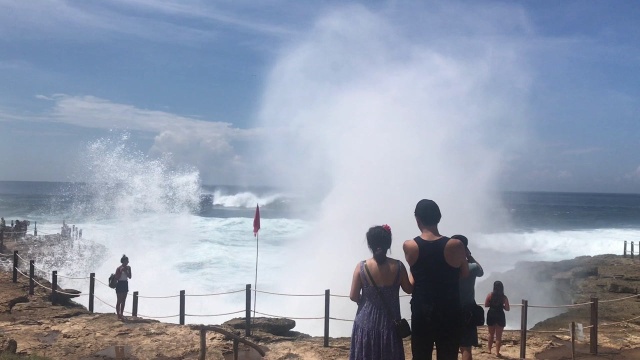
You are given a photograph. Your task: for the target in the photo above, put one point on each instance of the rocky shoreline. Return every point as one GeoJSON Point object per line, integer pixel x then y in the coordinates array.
{"type": "Point", "coordinates": [71, 332]}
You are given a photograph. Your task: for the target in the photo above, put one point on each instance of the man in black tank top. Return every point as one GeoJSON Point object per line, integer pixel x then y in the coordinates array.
{"type": "Point", "coordinates": [436, 263]}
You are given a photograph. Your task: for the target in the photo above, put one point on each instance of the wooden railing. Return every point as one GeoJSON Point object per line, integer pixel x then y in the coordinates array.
{"type": "Point", "coordinates": [236, 339]}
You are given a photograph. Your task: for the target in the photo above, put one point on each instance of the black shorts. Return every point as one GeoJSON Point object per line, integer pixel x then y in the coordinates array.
{"type": "Point", "coordinates": [496, 318]}
{"type": "Point", "coordinates": [469, 336]}
{"type": "Point", "coordinates": [122, 287]}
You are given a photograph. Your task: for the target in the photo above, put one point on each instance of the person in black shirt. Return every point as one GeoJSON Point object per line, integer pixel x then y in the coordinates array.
{"type": "Point", "coordinates": [437, 263]}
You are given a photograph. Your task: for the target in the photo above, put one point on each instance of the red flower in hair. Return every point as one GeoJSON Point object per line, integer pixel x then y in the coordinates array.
{"type": "Point", "coordinates": [386, 227]}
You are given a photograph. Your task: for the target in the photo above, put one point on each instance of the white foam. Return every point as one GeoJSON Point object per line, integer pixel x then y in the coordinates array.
{"type": "Point", "coordinates": [243, 199]}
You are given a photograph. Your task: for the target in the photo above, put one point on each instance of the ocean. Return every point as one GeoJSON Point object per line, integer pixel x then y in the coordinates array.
{"type": "Point", "coordinates": [182, 235]}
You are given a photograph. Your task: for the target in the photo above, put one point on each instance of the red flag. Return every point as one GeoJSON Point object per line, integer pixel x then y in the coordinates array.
{"type": "Point", "coordinates": [256, 221]}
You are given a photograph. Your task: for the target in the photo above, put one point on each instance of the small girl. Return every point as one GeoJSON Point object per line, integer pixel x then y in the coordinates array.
{"type": "Point", "coordinates": [497, 303]}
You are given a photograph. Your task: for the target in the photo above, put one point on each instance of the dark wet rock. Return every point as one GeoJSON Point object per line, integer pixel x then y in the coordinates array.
{"type": "Point", "coordinates": [11, 346]}
{"type": "Point", "coordinates": [275, 326]}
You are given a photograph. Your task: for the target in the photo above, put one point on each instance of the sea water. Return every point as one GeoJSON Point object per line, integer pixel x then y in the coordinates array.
{"type": "Point", "coordinates": [200, 239]}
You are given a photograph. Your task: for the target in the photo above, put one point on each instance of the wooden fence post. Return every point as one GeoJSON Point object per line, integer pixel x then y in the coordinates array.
{"type": "Point", "coordinates": [54, 286]}
{"type": "Point", "coordinates": [92, 290]}
{"type": "Point", "coordinates": [35, 228]}
{"type": "Point", "coordinates": [2, 240]}
{"type": "Point", "coordinates": [573, 340]}
{"type": "Point", "coordinates": [134, 311]}
{"type": "Point", "coordinates": [203, 344]}
{"type": "Point", "coordinates": [632, 249]}
{"type": "Point", "coordinates": [15, 266]}
{"type": "Point", "coordinates": [327, 299]}
{"type": "Point", "coordinates": [594, 326]}
{"type": "Point", "coordinates": [32, 270]}
{"type": "Point", "coordinates": [181, 307]}
{"type": "Point", "coordinates": [235, 349]}
{"type": "Point", "coordinates": [523, 329]}
{"type": "Point", "coordinates": [247, 313]}
{"type": "Point", "coordinates": [624, 254]}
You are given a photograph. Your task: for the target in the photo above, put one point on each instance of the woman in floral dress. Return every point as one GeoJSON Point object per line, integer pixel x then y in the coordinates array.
{"type": "Point", "coordinates": [373, 336]}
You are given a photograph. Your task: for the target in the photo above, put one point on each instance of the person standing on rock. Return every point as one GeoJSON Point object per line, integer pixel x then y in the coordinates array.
{"type": "Point", "coordinates": [469, 336]}
{"type": "Point", "coordinates": [375, 288]}
{"type": "Point", "coordinates": [123, 274]}
{"type": "Point", "coordinates": [437, 264]}
{"type": "Point", "coordinates": [497, 303]}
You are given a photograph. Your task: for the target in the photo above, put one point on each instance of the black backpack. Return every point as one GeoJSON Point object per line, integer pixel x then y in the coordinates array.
{"type": "Point", "coordinates": [113, 281]}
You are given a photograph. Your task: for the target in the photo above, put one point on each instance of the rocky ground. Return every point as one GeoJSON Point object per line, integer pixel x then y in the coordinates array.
{"type": "Point", "coordinates": [71, 332]}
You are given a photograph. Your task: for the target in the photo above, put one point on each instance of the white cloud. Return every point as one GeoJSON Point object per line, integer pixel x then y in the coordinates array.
{"type": "Point", "coordinates": [93, 112]}
{"type": "Point", "coordinates": [202, 11]}
{"type": "Point", "coordinates": [215, 148]}
{"type": "Point", "coordinates": [184, 22]}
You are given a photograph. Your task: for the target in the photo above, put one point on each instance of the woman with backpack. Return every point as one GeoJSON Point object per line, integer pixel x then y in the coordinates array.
{"type": "Point", "coordinates": [123, 274]}
{"type": "Point", "coordinates": [497, 303]}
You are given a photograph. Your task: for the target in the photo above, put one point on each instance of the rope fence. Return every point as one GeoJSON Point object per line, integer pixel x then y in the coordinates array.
{"type": "Point", "coordinates": [220, 293]}
{"type": "Point", "coordinates": [158, 297]}
{"type": "Point", "coordinates": [619, 299]}
{"type": "Point", "coordinates": [340, 296]}
{"type": "Point", "coordinates": [620, 322]}
{"type": "Point", "coordinates": [290, 317]}
{"type": "Point", "coordinates": [556, 306]}
{"type": "Point", "coordinates": [74, 278]}
{"type": "Point", "coordinates": [338, 319]}
{"type": "Point", "coordinates": [249, 292]}
{"type": "Point", "coordinates": [229, 313]}
{"type": "Point", "coordinates": [282, 294]}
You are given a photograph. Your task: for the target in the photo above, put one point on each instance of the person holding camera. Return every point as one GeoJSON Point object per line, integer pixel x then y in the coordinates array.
{"type": "Point", "coordinates": [469, 336]}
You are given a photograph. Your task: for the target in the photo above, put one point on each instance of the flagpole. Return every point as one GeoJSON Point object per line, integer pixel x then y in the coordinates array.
{"type": "Point", "coordinates": [255, 283]}
{"type": "Point", "coordinates": [256, 228]}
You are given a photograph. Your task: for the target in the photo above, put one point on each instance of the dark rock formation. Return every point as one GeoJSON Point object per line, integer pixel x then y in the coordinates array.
{"type": "Point", "coordinates": [275, 326]}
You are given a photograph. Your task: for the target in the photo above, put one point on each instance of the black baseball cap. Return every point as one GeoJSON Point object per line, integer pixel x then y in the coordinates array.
{"type": "Point", "coordinates": [428, 212]}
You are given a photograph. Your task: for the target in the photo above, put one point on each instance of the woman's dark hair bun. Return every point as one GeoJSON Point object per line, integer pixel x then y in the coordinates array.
{"type": "Point", "coordinates": [379, 241]}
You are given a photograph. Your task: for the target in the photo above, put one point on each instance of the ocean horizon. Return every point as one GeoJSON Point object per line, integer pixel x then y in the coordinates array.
{"type": "Point", "coordinates": [181, 235]}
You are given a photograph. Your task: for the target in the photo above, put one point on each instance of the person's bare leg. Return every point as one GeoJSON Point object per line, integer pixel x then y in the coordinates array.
{"type": "Point", "coordinates": [466, 352]}
{"type": "Point", "coordinates": [492, 331]}
{"type": "Point", "coordinates": [124, 300]}
{"type": "Point", "coordinates": [118, 305]}
{"type": "Point", "coordinates": [498, 339]}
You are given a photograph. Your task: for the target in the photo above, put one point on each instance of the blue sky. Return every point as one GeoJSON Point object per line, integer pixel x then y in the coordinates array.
{"type": "Point", "coordinates": [197, 81]}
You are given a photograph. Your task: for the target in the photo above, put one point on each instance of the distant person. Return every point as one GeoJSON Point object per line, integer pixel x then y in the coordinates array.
{"type": "Point", "coordinates": [80, 234]}
{"type": "Point", "coordinates": [437, 263]}
{"type": "Point", "coordinates": [497, 303]}
{"type": "Point", "coordinates": [374, 336]}
{"type": "Point", "coordinates": [2, 223]}
{"type": "Point", "coordinates": [123, 274]}
{"type": "Point", "coordinates": [469, 336]}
